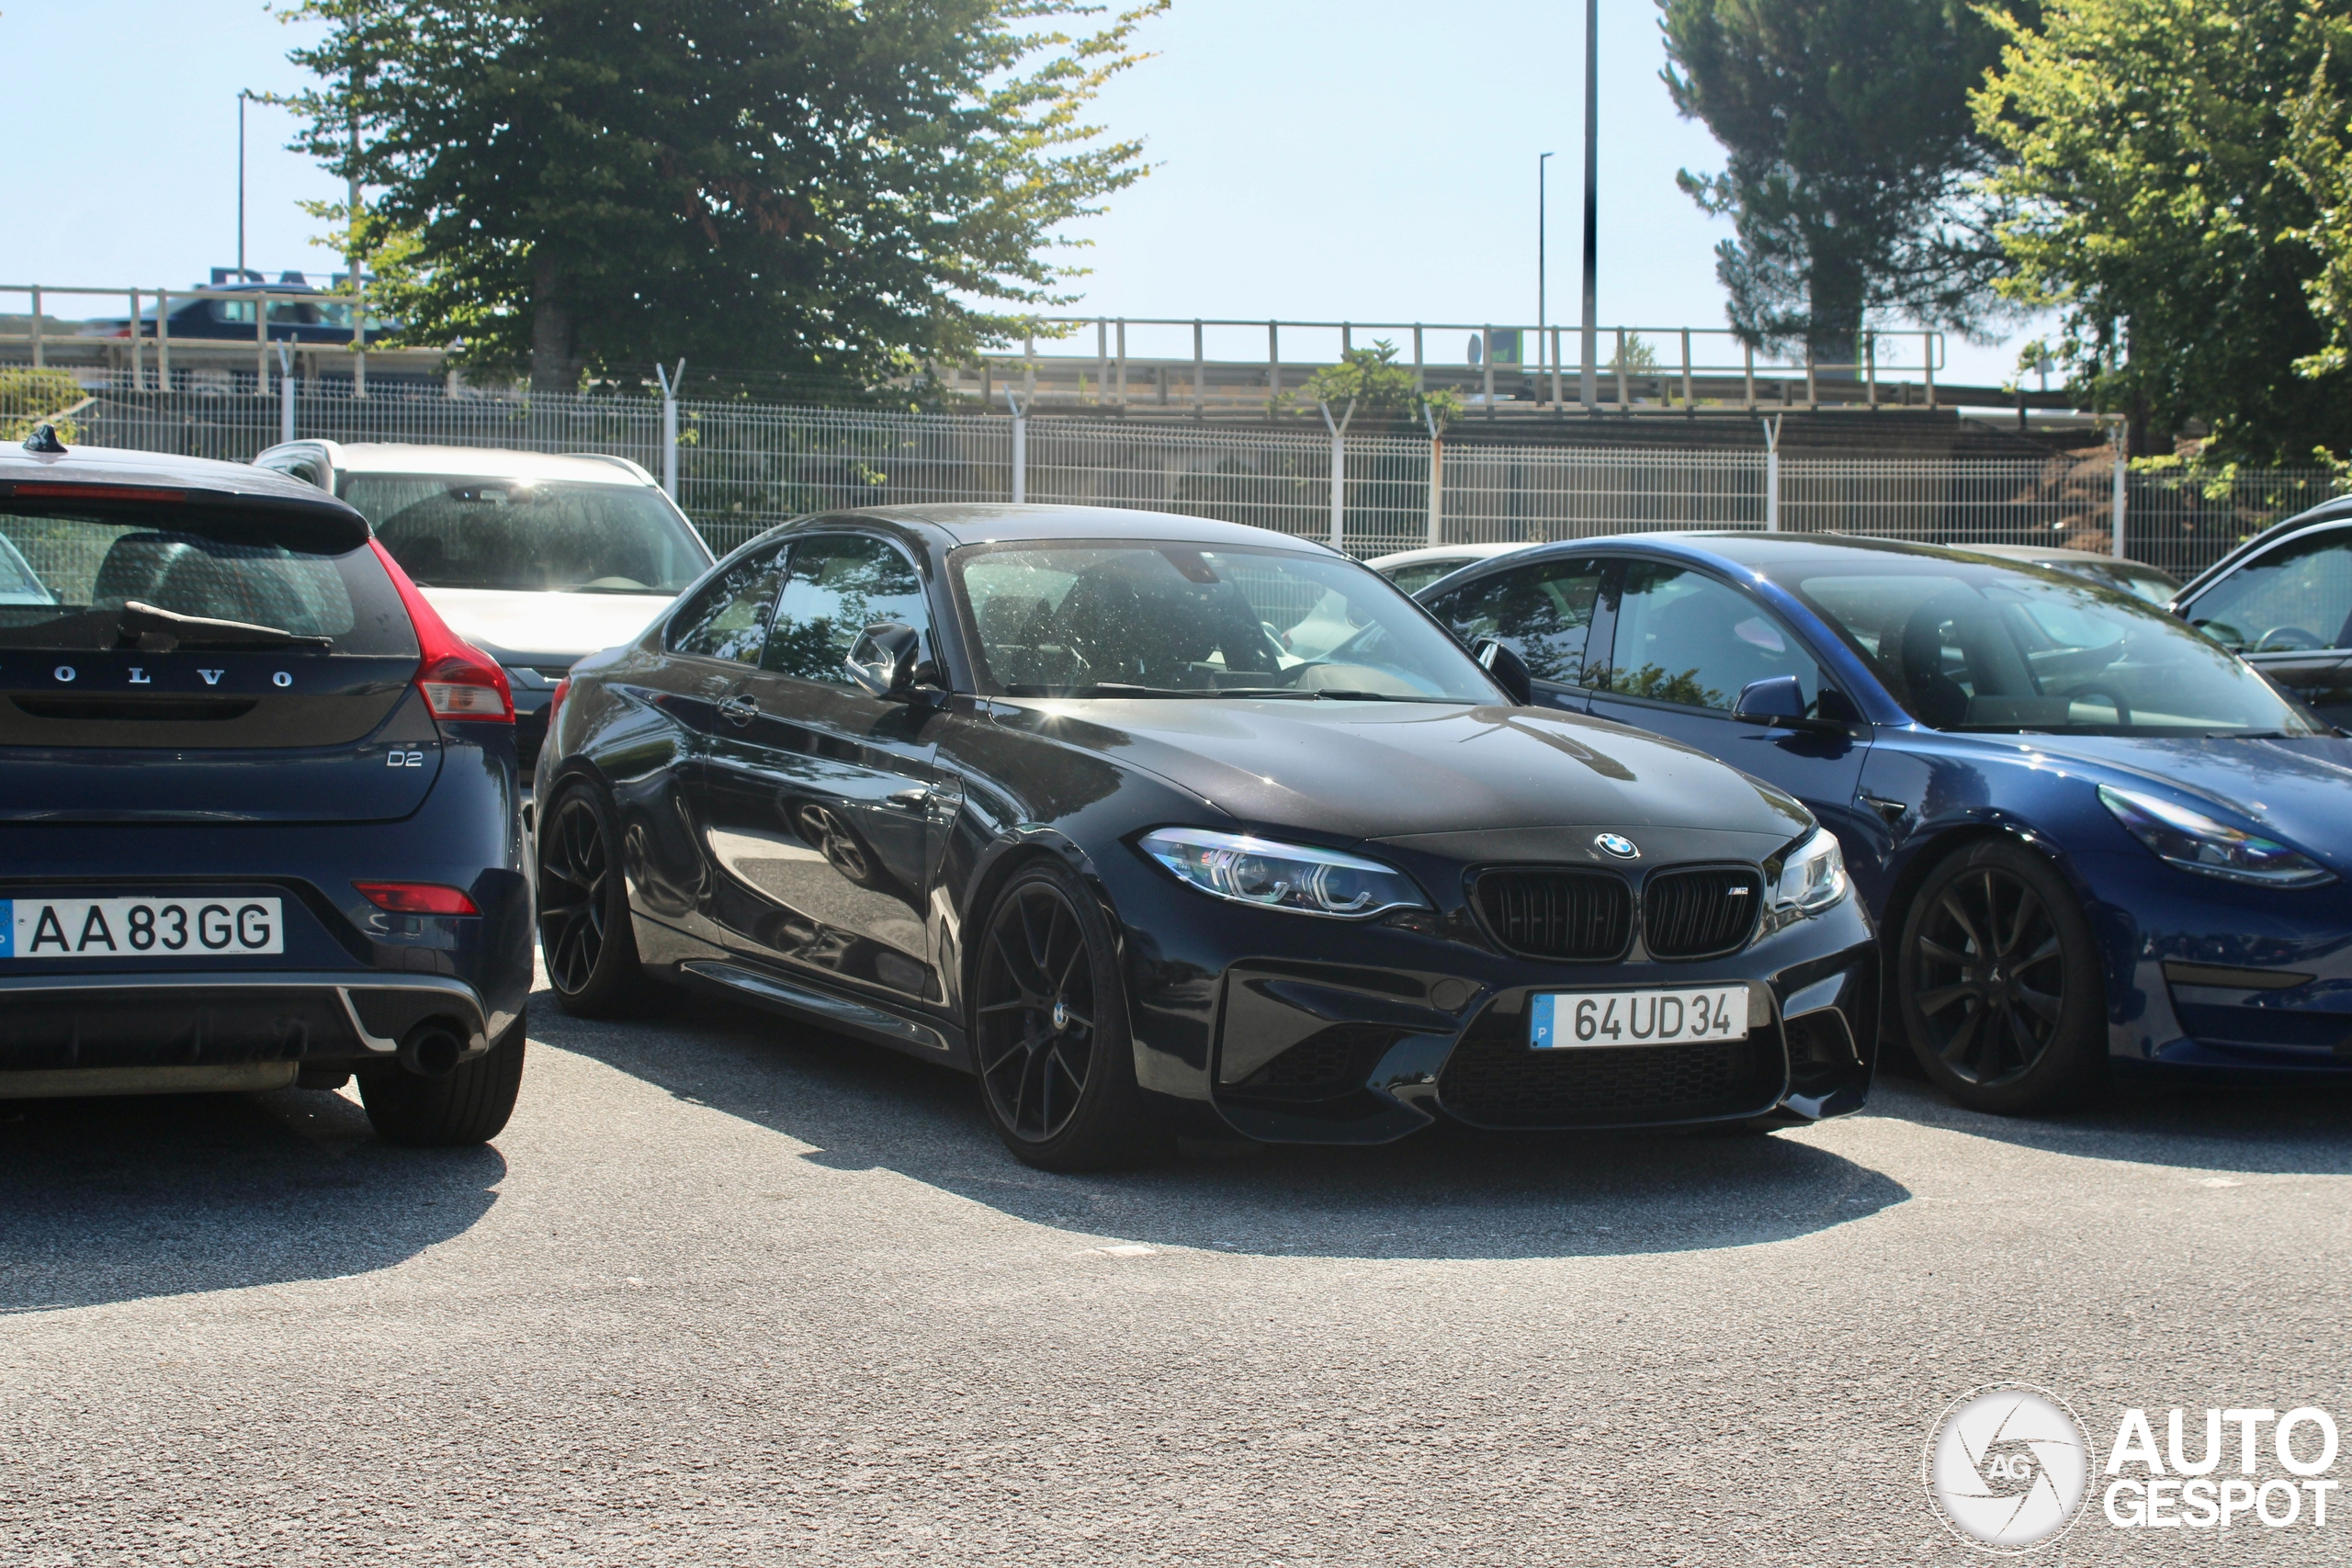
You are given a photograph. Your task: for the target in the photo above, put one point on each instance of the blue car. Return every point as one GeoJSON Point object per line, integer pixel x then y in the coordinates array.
{"type": "Point", "coordinates": [2092, 839]}
{"type": "Point", "coordinates": [258, 807]}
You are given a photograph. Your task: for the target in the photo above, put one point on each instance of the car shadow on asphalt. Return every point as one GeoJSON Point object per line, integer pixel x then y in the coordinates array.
{"type": "Point", "coordinates": [1442, 1194]}
{"type": "Point", "coordinates": [2261, 1129]}
{"type": "Point", "coordinates": [116, 1200]}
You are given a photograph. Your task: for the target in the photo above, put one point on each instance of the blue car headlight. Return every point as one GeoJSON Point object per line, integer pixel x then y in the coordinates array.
{"type": "Point", "coordinates": [1281, 877]}
{"type": "Point", "coordinates": [2194, 841]}
{"type": "Point", "coordinates": [1804, 880]}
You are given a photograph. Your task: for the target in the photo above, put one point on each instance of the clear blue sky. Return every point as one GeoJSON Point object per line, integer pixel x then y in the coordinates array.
{"type": "Point", "coordinates": [1318, 159]}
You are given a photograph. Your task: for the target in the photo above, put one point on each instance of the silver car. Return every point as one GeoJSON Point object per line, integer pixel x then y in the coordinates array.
{"type": "Point", "coordinates": [536, 560]}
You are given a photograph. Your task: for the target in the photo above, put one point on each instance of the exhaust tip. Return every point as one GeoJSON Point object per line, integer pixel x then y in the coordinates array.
{"type": "Point", "coordinates": [431, 1049]}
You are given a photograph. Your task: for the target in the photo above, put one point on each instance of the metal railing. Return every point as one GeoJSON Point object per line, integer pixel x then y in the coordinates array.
{"type": "Point", "coordinates": [1670, 365]}
{"type": "Point", "coordinates": [1142, 365]}
{"type": "Point", "coordinates": [744, 467]}
{"type": "Point", "coordinates": [146, 336]}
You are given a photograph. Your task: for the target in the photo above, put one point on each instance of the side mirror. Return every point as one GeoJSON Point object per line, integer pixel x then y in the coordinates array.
{"type": "Point", "coordinates": [1779, 701]}
{"type": "Point", "coordinates": [1774, 699]}
{"type": "Point", "coordinates": [1508, 669]}
{"type": "Point", "coordinates": [888, 662]}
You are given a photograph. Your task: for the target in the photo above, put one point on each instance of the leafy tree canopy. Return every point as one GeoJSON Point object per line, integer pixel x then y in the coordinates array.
{"type": "Point", "coordinates": [1850, 163]}
{"type": "Point", "coordinates": [2148, 149]}
{"type": "Point", "coordinates": [1371, 381]}
{"type": "Point", "coordinates": [812, 187]}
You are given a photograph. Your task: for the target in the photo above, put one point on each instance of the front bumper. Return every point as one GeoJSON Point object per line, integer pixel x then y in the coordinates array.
{"type": "Point", "coordinates": [2212, 980]}
{"type": "Point", "coordinates": [1397, 1028]}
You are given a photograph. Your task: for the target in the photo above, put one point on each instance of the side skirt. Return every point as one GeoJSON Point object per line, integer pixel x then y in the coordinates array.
{"type": "Point", "coordinates": [932, 1043]}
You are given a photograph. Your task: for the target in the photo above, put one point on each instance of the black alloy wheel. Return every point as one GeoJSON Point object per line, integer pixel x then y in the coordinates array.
{"type": "Point", "coordinates": [2001, 993]}
{"type": "Point", "coordinates": [585, 936]}
{"type": "Point", "coordinates": [1049, 1034]}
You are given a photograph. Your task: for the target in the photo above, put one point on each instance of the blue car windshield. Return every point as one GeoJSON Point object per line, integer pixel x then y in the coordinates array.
{"type": "Point", "coordinates": [1975, 646]}
{"type": "Point", "coordinates": [1115, 618]}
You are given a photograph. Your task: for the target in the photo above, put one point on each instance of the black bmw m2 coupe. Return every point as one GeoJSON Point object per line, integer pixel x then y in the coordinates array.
{"type": "Point", "coordinates": [1159, 824]}
{"type": "Point", "coordinates": [259, 816]}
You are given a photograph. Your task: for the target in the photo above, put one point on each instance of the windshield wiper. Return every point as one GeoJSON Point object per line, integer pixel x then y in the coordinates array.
{"type": "Point", "coordinates": [140, 621]}
{"type": "Point", "coordinates": [1338, 694]}
{"type": "Point", "coordinates": [1127, 689]}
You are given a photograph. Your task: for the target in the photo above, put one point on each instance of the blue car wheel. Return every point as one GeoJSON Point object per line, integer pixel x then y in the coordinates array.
{"type": "Point", "coordinates": [2000, 985]}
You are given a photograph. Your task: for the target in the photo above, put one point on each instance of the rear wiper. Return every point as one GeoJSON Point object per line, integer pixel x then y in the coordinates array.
{"type": "Point", "coordinates": [142, 621]}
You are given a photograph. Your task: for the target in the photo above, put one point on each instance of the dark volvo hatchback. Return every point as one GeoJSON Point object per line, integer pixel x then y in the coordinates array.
{"type": "Point", "coordinates": [1155, 822]}
{"type": "Point", "coordinates": [259, 817]}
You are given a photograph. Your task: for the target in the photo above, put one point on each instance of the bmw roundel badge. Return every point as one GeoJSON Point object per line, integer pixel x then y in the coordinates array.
{"type": "Point", "coordinates": [1619, 845]}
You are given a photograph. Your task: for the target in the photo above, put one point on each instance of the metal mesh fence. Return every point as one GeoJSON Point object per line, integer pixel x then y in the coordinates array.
{"type": "Point", "coordinates": [744, 467]}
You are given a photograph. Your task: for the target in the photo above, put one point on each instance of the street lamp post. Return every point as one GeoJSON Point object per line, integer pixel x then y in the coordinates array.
{"type": "Point", "coordinates": [242, 95]}
{"type": "Point", "coordinates": [1543, 316]}
{"type": "Point", "coordinates": [1591, 181]}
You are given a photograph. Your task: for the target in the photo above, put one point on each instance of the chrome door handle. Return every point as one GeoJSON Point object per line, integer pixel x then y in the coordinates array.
{"type": "Point", "coordinates": [909, 797]}
{"type": "Point", "coordinates": [739, 709]}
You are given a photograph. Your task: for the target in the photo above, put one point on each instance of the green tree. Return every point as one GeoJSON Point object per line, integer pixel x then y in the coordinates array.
{"type": "Point", "coordinates": [2319, 151]}
{"type": "Point", "coordinates": [804, 187]}
{"type": "Point", "coordinates": [1369, 380]}
{"type": "Point", "coordinates": [1851, 161]}
{"type": "Point", "coordinates": [2148, 148]}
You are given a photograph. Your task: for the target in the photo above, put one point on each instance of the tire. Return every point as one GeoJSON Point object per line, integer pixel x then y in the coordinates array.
{"type": "Point", "coordinates": [1999, 984]}
{"type": "Point", "coordinates": [470, 1105]}
{"type": "Point", "coordinates": [1049, 1029]}
{"type": "Point", "coordinates": [585, 931]}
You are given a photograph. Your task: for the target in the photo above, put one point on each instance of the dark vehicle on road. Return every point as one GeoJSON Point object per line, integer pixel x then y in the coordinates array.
{"type": "Point", "coordinates": [1043, 793]}
{"type": "Point", "coordinates": [292, 311]}
{"type": "Point", "coordinates": [258, 820]}
{"type": "Point", "coordinates": [2283, 599]}
{"type": "Point", "coordinates": [2091, 837]}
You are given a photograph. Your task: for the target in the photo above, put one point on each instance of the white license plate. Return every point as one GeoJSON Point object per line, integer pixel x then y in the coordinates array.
{"type": "Point", "coordinates": [1564, 1021]}
{"type": "Point", "coordinates": [133, 928]}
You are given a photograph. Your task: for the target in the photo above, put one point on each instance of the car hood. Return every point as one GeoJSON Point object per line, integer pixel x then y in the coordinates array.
{"type": "Point", "coordinates": [2296, 790]}
{"type": "Point", "coordinates": [1477, 781]}
{"type": "Point", "coordinates": [543, 628]}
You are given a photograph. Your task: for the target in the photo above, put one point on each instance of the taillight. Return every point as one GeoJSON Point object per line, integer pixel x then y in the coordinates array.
{"type": "Point", "coordinates": [417, 898]}
{"type": "Point", "coordinates": [459, 680]}
{"type": "Point", "coordinates": [555, 704]}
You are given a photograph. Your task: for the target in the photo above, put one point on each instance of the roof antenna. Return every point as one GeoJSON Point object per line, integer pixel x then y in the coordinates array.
{"type": "Point", "coordinates": [43, 441]}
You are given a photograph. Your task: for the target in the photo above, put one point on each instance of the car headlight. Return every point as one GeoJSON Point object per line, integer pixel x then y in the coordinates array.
{"type": "Point", "coordinates": [2194, 841]}
{"type": "Point", "coordinates": [1281, 877]}
{"type": "Point", "coordinates": [1811, 878]}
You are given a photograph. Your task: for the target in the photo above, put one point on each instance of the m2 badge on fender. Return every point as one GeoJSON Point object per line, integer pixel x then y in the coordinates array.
{"type": "Point", "coordinates": [128, 927]}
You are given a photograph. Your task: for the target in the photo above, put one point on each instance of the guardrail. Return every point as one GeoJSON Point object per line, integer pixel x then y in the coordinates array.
{"type": "Point", "coordinates": [141, 333]}
{"type": "Point", "coordinates": [1706, 364]}
{"type": "Point", "coordinates": [1205, 366]}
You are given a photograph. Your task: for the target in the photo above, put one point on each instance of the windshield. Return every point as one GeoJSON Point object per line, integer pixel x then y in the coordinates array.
{"type": "Point", "coordinates": [548, 536]}
{"type": "Point", "coordinates": [1984, 647]}
{"type": "Point", "coordinates": [1414, 576]}
{"type": "Point", "coordinates": [2143, 583]}
{"type": "Point", "coordinates": [1105, 618]}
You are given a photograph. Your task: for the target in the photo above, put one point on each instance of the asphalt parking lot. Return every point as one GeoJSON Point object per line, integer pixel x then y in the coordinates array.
{"type": "Point", "coordinates": [730, 1293]}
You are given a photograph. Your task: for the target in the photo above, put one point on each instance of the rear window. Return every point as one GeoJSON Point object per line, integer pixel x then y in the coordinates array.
{"type": "Point", "coordinates": [548, 536]}
{"type": "Point", "coordinates": [66, 574]}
